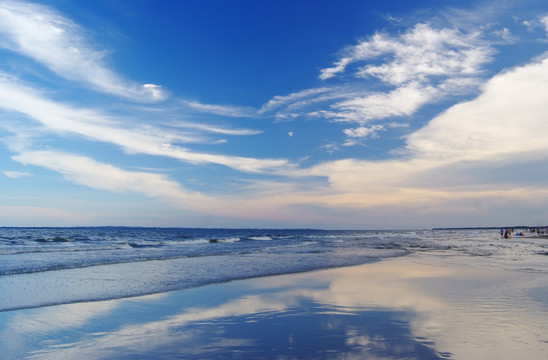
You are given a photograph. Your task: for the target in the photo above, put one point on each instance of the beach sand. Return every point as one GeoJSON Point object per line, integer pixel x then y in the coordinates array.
{"type": "Point", "coordinates": [415, 307]}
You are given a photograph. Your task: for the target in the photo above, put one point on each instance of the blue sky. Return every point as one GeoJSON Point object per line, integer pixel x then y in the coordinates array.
{"type": "Point", "coordinates": [351, 114]}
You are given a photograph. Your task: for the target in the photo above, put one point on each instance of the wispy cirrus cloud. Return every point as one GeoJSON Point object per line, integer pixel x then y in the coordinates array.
{"type": "Point", "coordinates": [364, 131]}
{"type": "Point", "coordinates": [97, 126]}
{"type": "Point", "coordinates": [387, 76]}
{"type": "Point", "coordinates": [419, 54]}
{"type": "Point", "coordinates": [301, 98]}
{"type": "Point", "coordinates": [215, 129]}
{"type": "Point", "coordinates": [247, 201]}
{"type": "Point", "coordinates": [402, 101]}
{"type": "Point", "coordinates": [46, 36]}
{"type": "Point", "coordinates": [223, 110]}
{"type": "Point", "coordinates": [86, 171]}
{"type": "Point", "coordinates": [15, 174]}
{"type": "Point", "coordinates": [532, 24]}
{"type": "Point", "coordinates": [420, 66]}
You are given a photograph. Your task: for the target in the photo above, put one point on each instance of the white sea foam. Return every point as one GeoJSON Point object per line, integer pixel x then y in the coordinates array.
{"type": "Point", "coordinates": [260, 238]}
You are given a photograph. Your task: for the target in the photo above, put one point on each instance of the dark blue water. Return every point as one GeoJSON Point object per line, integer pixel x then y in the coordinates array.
{"type": "Point", "coordinates": [28, 250]}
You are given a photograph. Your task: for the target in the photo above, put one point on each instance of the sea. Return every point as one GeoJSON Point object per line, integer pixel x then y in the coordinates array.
{"type": "Point", "coordinates": [51, 266]}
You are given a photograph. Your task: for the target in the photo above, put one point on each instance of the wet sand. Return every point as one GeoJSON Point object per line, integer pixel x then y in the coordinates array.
{"type": "Point", "coordinates": [415, 307]}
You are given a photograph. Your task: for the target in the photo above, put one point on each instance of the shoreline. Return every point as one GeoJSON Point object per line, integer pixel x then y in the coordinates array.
{"type": "Point", "coordinates": [416, 306]}
{"type": "Point", "coordinates": [140, 278]}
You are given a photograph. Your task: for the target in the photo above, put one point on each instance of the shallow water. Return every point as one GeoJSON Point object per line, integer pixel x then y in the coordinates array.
{"type": "Point", "coordinates": [417, 307]}
{"type": "Point", "coordinates": [48, 266]}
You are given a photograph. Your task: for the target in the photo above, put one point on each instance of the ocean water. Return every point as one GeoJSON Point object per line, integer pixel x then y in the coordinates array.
{"type": "Point", "coordinates": [50, 266]}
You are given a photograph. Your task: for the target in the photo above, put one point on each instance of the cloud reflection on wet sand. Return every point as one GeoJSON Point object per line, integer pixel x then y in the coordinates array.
{"type": "Point", "coordinates": [413, 307]}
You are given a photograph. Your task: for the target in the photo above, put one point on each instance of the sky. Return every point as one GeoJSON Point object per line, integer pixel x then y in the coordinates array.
{"type": "Point", "coordinates": [274, 114]}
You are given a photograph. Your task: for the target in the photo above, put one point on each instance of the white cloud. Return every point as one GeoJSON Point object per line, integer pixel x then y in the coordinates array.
{"type": "Point", "coordinates": [88, 172]}
{"type": "Point", "coordinates": [49, 38]}
{"type": "Point", "coordinates": [383, 76]}
{"type": "Point", "coordinates": [418, 54]}
{"type": "Point", "coordinates": [154, 91]}
{"type": "Point", "coordinates": [536, 23]}
{"type": "Point", "coordinates": [302, 98]}
{"type": "Point", "coordinates": [480, 150]}
{"type": "Point", "coordinates": [339, 67]}
{"type": "Point", "coordinates": [403, 101]}
{"type": "Point", "coordinates": [485, 154]}
{"type": "Point", "coordinates": [509, 117]}
{"type": "Point", "coordinates": [364, 132]}
{"type": "Point", "coordinates": [330, 148]}
{"type": "Point", "coordinates": [420, 66]}
{"type": "Point", "coordinates": [473, 153]}
{"type": "Point", "coordinates": [216, 129]}
{"type": "Point", "coordinates": [505, 34]}
{"type": "Point", "coordinates": [398, 125]}
{"type": "Point", "coordinates": [15, 174]}
{"type": "Point", "coordinates": [544, 21]}
{"type": "Point", "coordinates": [245, 202]}
{"type": "Point", "coordinates": [101, 127]}
{"type": "Point", "coordinates": [312, 103]}
{"type": "Point", "coordinates": [224, 110]}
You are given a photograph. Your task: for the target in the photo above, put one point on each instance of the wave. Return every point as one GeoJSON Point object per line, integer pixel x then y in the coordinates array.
{"type": "Point", "coordinates": [259, 238]}
{"type": "Point", "coordinates": [225, 240]}
{"type": "Point", "coordinates": [127, 279]}
{"type": "Point", "coordinates": [55, 240]}
{"type": "Point", "coordinates": [170, 254]}
{"type": "Point", "coordinates": [145, 244]}
{"type": "Point", "coordinates": [66, 265]}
